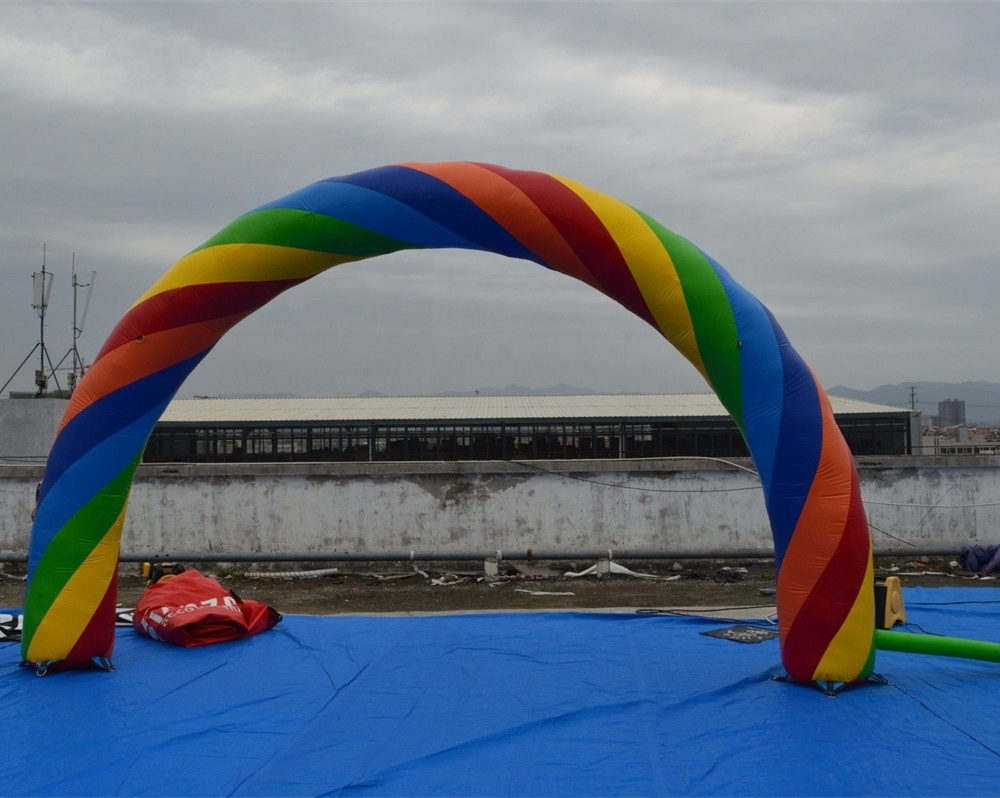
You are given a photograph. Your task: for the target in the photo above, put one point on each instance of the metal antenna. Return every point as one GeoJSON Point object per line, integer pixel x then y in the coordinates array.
{"type": "Point", "coordinates": [78, 367]}
{"type": "Point", "coordinates": [43, 289]}
{"type": "Point", "coordinates": [42, 285]}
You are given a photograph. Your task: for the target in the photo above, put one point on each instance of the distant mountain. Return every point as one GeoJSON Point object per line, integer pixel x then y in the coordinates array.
{"type": "Point", "coordinates": [519, 390]}
{"type": "Point", "coordinates": [243, 396]}
{"type": "Point", "coordinates": [982, 399]}
{"type": "Point", "coordinates": [488, 390]}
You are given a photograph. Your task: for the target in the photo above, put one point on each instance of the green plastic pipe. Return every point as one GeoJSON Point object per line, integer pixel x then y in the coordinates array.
{"type": "Point", "coordinates": [886, 640]}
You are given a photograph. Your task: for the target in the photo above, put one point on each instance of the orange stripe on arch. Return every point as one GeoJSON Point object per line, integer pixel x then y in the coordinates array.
{"type": "Point", "coordinates": [820, 528]}
{"type": "Point", "coordinates": [832, 634]}
{"type": "Point", "coordinates": [514, 210]}
{"type": "Point", "coordinates": [849, 648]}
{"type": "Point", "coordinates": [120, 366]}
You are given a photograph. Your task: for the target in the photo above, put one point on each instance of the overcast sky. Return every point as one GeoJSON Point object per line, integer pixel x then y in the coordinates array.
{"type": "Point", "coordinates": [841, 160]}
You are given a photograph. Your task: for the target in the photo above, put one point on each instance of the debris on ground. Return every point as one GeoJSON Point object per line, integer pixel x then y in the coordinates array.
{"type": "Point", "coordinates": [603, 566]}
{"type": "Point", "coordinates": [449, 579]}
{"type": "Point", "coordinates": [531, 570]}
{"type": "Point", "coordinates": [968, 567]}
{"type": "Point", "coordinates": [729, 574]}
{"type": "Point", "coordinates": [405, 586]}
{"type": "Point", "coordinates": [316, 573]}
{"type": "Point", "coordinates": [982, 560]}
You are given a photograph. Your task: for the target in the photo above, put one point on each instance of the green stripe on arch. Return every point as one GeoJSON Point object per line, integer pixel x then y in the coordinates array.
{"type": "Point", "coordinates": [72, 545]}
{"type": "Point", "coordinates": [298, 229]}
{"type": "Point", "coordinates": [714, 332]}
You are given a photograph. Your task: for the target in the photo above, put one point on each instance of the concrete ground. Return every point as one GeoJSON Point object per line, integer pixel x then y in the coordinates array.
{"type": "Point", "coordinates": [736, 588]}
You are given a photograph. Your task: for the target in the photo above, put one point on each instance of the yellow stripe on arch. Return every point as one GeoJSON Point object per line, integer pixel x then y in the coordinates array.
{"type": "Point", "coordinates": [851, 647]}
{"type": "Point", "coordinates": [245, 263]}
{"type": "Point", "coordinates": [76, 604]}
{"type": "Point", "coordinates": [651, 267]}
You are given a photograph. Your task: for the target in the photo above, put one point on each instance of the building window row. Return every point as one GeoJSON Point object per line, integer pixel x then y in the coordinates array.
{"type": "Point", "coordinates": [488, 441]}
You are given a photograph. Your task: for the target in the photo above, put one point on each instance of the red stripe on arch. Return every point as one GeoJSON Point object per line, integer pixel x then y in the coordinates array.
{"type": "Point", "coordinates": [520, 216]}
{"type": "Point", "coordinates": [831, 599]}
{"type": "Point", "coordinates": [586, 234]}
{"type": "Point", "coordinates": [192, 304]}
{"type": "Point", "coordinates": [120, 367]}
{"type": "Point", "coordinates": [99, 633]}
{"type": "Point", "coordinates": [185, 329]}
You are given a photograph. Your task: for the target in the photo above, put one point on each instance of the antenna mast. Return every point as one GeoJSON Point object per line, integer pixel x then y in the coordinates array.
{"type": "Point", "coordinates": [42, 282]}
{"type": "Point", "coordinates": [42, 287]}
{"type": "Point", "coordinates": [77, 366]}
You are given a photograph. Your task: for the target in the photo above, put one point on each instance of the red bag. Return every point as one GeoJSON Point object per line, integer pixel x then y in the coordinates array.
{"type": "Point", "coordinates": [192, 609]}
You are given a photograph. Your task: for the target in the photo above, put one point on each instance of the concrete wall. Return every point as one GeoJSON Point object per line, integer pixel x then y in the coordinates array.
{"type": "Point", "coordinates": [28, 427]}
{"type": "Point", "coordinates": [677, 507]}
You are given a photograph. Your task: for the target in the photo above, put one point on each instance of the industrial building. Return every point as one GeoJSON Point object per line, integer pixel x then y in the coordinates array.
{"type": "Point", "coordinates": [325, 478]}
{"type": "Point", "coordinates": [619, 426]}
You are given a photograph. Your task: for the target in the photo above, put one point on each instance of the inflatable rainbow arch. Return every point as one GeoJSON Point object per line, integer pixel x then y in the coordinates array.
{"type": "Point", "coordinates": [822, 545]}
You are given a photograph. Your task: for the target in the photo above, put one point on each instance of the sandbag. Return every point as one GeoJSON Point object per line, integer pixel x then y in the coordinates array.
{"type": "Point", "coordinates": [191, 609]}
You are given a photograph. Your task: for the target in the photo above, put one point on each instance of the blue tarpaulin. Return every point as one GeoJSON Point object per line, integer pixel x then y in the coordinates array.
{"type": "Point", "coordinates": [530, 704]}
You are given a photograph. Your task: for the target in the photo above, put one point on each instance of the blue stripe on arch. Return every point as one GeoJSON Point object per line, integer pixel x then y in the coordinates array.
{"type": "Point", "coordinates": [108, 415]}
{"type": "Point", "coordinates": [799, 444]}
{"type": "Point", "coordinates": [762, 378]}
{"type": "Point", "coordinates": [87, 477]}
{"type": "Point", "coordinates": [436, 200]}
{"type": "Point", "coordinates": [371, 210]}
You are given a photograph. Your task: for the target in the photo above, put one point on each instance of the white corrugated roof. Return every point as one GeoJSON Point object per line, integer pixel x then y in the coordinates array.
{"type": "Point", "coordinates": [466, 408]}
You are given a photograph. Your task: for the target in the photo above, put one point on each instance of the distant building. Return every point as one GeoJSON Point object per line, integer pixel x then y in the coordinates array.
{"type": "Point", "coordinates": [487, 428]}
{"type": "Point", "coordinates": [951, 413]}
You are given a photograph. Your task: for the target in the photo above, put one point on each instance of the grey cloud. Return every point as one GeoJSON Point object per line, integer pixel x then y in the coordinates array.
{"type": "Point", "coordinates": [838, 159]}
